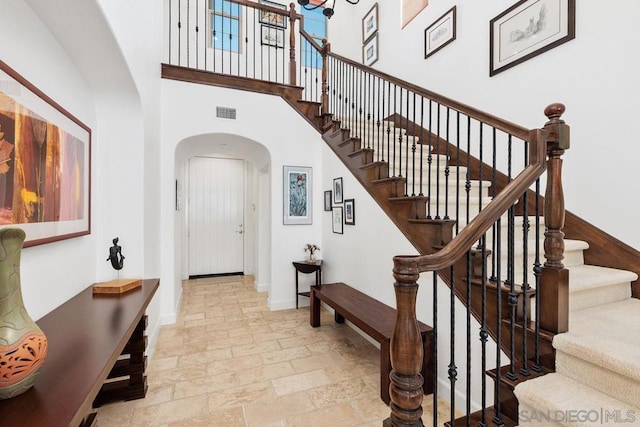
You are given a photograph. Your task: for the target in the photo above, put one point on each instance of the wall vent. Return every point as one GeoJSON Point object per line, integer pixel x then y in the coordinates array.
{"type": "Point", "coordinates": [226, 113]}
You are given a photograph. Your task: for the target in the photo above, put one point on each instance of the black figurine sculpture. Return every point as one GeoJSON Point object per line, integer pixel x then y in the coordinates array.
{"type": "Point", "coordinates": [115, 255]}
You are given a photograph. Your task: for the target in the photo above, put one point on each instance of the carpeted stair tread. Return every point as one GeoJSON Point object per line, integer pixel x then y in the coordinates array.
{"type": "Point", "coordinates": [607, 335]}
{"type": "Point", "coordinates": [590, 285]}
{"type": "Point", "coordinates": [554, 395]}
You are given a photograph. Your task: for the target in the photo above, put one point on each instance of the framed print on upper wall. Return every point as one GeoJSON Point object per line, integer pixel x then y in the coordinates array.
{"type": "Point", "coordinates": [45, 164]}
{"type": "Point", "coordinates": [370, 24]}
{"type": "Point", "coordinates": [440, 33]}
{"type": "Point", "coordinates": [370, 51]}
{"type": "Point", "coordinates": [527, 29]}
{"type": "Point", "coordinates": [297, 195]}
{"type": "Point", "coordinates": [272, 18]}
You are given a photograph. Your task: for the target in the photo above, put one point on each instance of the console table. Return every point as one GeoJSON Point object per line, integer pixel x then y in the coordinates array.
{"type": "Point", "coordinates": [87, 336]}
{"type": "Point", "coordinates": [307, 267]}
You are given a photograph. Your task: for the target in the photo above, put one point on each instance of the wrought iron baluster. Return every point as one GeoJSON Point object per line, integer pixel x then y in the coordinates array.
{"type": "Point", "coordinates": [453, 369]}
{"type": "Point", "coordinates": [446, 170]}
{"type": "Point", "coordinates": [438, 162]}
{"type": "Point", "coordinates": [537, 273]}
{"type": "Point", "coordinates": [525, 273]}
{"type": "Point", "coordinates": [429, 161]}
{"type": "Point", "coordinates": [179, 32]}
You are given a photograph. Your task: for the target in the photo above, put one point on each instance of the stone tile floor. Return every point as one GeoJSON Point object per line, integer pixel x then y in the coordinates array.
{"type": "Point", "coordinates": [229, 361]}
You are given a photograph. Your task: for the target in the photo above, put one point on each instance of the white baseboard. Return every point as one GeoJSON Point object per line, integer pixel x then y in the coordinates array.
{"type": "Point", "coordinates": [262, 287]}
{"type": "Point", "coordinates": [281, 305]}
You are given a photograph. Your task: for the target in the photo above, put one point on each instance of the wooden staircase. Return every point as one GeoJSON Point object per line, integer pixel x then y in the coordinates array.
{"type": "Point", "coordinates": [430, 233]}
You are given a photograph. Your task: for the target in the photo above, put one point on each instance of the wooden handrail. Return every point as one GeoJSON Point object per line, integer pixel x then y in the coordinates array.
{"type": "Point", "coordinates": [266, 8]}
{"type": "Point", "coordinates": [489, 119]}
{"type": "Point", "coordinates": [460, 244]}
{"type": "Point", "coordinates": [310, 39]}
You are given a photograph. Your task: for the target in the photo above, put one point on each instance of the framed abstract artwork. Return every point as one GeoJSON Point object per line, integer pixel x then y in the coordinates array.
{"type": "Point", "coordinates": [45, 164]}
{"type": "Point", "coordinates": [297, 195]}
{"type": "Point", "coordinates": [527, 29]}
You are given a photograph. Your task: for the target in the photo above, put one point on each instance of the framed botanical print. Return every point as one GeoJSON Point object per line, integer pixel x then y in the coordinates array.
{"type": "Point", "coordinates": [297, 195]}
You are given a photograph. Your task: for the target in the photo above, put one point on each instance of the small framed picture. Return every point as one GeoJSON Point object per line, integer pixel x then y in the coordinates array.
{"type": "Point", "coordinates": [370, 51]}
{"type": "Point", "coordinates": [272, 36]}
{"type": "Point", "coordinates": [350, 212]}
{"type": "Point", "coordinates": [337, 191]}
{"type": "Point", "coordinates": [527, 29]}
{"type": "Point", "coordinates": [337, 224]}
{"type": "Point", "coordinates": [272, 18]}
{"type": "Point", "coordinates": [440, 33]}
{"type": "Point", "coordinates": [327, 201]}
{"type": "Point", "coordinates": [370, 24]}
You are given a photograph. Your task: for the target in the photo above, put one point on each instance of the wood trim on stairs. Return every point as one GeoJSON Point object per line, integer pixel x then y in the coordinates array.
{"type": "Point", "coordinates": [310, 111]}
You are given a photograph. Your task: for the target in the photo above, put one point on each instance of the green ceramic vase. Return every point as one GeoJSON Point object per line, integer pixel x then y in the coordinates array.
{"type": "Point", "coordinates": [23, 346]}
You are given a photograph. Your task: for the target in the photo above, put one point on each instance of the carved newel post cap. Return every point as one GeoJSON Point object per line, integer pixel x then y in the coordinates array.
{"type": "Point", "coordinates": [554, 111]}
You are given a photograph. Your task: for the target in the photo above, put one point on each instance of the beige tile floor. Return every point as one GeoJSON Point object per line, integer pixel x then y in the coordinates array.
{"type": "Point", "coordinates": [229, 361]}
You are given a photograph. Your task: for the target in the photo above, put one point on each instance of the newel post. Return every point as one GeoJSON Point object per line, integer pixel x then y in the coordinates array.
{"type": "Point", "coordinates": [326, 48]}
{"type": "Point", "coordinates": [406, 349]}
{"type": "Point", "coordinates": [292, 44]}
{"type": "Point", "coordinates": [554, 282]}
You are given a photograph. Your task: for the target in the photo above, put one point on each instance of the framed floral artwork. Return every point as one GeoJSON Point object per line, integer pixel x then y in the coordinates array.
{"type": "Point", "coordinates": [297, 195]}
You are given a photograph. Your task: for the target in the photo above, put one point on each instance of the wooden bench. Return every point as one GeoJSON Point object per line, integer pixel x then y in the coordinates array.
{"type": "Point", "coordinates": [375, 319]}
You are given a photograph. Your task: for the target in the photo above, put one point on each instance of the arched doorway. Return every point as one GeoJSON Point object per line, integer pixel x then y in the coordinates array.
{"type": "Point", "coordinates": [255, 201]}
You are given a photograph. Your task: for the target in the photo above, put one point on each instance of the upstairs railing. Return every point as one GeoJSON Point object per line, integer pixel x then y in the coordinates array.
{"type": "Point", "coordinates": [473, 179]}
{"type": "Point", "coordinates": [244, 39]}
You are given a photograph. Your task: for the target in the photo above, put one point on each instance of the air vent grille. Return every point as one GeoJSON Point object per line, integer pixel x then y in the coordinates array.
{"type": "Point", "coordinates": [226, 113]}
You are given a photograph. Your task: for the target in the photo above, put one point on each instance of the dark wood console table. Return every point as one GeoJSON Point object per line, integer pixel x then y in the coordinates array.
{"type": "Point", "coordinates": [86, 336]}
{"type": "Point", "coordinates": [307, 267]}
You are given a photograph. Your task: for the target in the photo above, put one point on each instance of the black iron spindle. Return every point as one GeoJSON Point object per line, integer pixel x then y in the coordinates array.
{"type": "Point", "coordinates": [493, 186]}
{"type": "Point", "coordinates": [170, 30]}
{"type": "Point", "coordinates": [438, 162]}
{"type": "Point", "coordinates": [497, 419]}
{"type": "Point", "coordinates": [513, 297]}
{"type": "Point", "coordinates": [483, 329]}
{"type": "Point", "coordinates": [525, 273]}
{"type": "Point", "coordinates": [429, 160]}
{"type": "Point", "coordinates": [179, 32]}
{"type": "Point", "coordinates": [435, 347]}
{"type": "Point", "coordinates": [421, 182]}
{"type": "Point", "coordinates": [453, 369]}
{"type": "Point", "coordinates": [197, 34]}
{"type": "Point", "coordinates": [413, 149]}
{"type": "Point", "coordinates": [537, 273]}
{"type": "Point", "coordinates": [446, 169]}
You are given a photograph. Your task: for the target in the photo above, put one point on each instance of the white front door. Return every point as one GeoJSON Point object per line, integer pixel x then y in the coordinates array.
{"type": "Point", "coordinates": [216, 216]}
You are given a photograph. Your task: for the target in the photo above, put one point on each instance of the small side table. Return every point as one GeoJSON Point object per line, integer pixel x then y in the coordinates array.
{"type": "Point", "coordinates": [306, 267]}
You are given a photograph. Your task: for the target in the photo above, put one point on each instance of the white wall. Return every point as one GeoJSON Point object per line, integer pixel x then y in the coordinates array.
{"type": "Point", "coordinates": [30, 49]}
{"type": "Point", "coordinates": [594, 75]}
{"type": "Point", "coordinates": [76, 60]}
{"type": "Point", "coordinates": [189, 110]}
